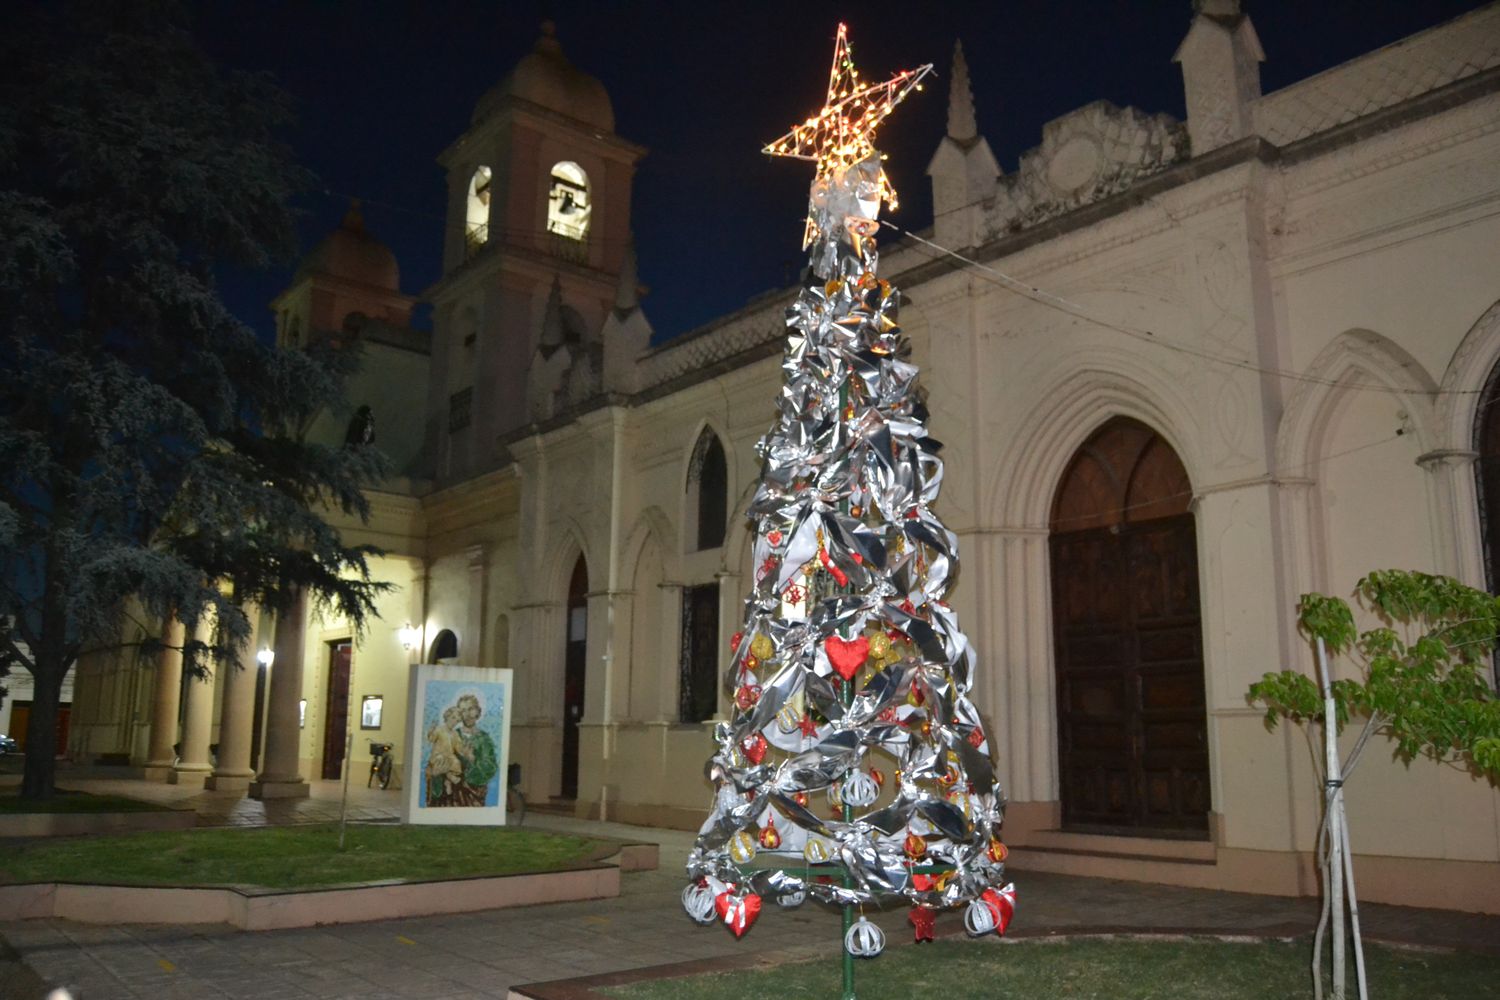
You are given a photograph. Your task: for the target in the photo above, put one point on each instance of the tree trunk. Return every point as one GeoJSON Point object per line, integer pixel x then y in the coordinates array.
{"type": "Point", "coordinates": [39, 780]}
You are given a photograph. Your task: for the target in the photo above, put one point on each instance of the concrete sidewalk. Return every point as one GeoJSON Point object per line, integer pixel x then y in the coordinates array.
{"type": "Point", "coordinates": [484, 954]}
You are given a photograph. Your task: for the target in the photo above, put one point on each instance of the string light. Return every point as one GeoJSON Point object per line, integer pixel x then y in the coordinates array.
{"type": "Point", "coordinates": [843, 132]}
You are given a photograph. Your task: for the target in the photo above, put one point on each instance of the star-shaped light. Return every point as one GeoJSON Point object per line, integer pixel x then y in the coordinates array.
{"type": "Point", "coordinates": [843, 132]}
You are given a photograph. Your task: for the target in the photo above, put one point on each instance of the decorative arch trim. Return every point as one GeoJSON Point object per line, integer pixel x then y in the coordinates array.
{"type": "Point", "coordinates": [1077, 404]}
{"type": "Point", "coordinates": [1355, 361]}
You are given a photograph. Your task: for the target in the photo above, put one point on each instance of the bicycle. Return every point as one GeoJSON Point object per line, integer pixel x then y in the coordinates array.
{"type": "Point", "coordinates": [382, 765]}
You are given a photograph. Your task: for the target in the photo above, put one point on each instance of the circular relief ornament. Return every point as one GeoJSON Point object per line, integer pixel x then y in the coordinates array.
{"type": "Point", "coordinates": [1074, 165]}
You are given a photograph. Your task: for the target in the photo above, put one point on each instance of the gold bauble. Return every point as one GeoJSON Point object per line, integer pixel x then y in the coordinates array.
{"type": "Point", "coordinates": [761, 646]}
{"type": "Point", "coordinates": [816, 852]}
{"type": "Point", "coordinates": [741, 847]}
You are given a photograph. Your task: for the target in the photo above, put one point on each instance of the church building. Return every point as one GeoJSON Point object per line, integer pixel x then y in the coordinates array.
{"type": "Point", "coordinates": [1184, 372]}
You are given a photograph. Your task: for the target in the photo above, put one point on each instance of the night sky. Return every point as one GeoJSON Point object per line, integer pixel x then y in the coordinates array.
{"type": "Point", "coordinates": [383, 87]}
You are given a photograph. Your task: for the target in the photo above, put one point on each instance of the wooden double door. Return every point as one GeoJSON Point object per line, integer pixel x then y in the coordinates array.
{"type": "Point", "coordinates": [1128, 640]}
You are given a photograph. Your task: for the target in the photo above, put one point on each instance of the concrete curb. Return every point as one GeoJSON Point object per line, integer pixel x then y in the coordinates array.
{"type": "Point", "coordinates": [259, 909]}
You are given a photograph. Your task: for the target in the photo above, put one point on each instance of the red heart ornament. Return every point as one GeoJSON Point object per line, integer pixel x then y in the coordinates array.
{"type": "Point", "coordinates": [846, 656]}
{"type": "Point", "coordinates": [737, 913]}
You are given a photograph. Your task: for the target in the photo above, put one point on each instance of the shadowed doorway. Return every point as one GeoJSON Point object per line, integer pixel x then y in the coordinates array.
{"type": "Point", "coordinates": [575, 664]}
{"type": "Point", "coordinates": [1127, 633]}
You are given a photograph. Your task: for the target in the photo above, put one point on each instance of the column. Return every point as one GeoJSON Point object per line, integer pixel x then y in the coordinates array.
{"type": "Point", "coordinates": [1457, 544]}
{"type": "Point", "coordinates": [166, 698]}
{"type": "Point", "coordinates": [280, 777]}
{"type": "Point", "coordinates": [236, 712]}
{"type": "Point", "coordinates": [193, 763]}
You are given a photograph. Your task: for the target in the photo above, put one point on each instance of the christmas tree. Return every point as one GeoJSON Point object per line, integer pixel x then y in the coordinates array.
{"type": "Point", "coordinates": [851, 677]}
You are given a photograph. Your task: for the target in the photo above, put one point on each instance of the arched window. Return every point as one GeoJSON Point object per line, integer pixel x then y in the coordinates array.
{"type": "Point", "coordinates": [477, 210]}
{"type": "Point", "coordinates": [444, 647]}
{"type": "Point", "coordinates": [707, 492]}
{"type": "Point", "coordinates": [1487, 468]}
{"type": "Point", "coordinates": [1127, 638]}
{"type": "Point", "coordinates": [568, 203]}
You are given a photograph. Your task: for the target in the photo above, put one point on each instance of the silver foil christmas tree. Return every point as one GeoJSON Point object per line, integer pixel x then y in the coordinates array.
{"type": "Point", "coordinates": [855, 769]}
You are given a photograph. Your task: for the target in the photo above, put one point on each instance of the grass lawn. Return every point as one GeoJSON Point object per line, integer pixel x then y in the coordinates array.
{"type": "Point", "coordinates": [295, 857]}
{"type": "Point", "coordinates": [64, 801]}
{"type": "Point", "coordinates": [1085, 970]}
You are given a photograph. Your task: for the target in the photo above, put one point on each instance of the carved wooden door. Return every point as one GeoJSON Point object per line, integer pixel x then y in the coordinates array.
{"type": "Point", "coordinates": [1128, 640]}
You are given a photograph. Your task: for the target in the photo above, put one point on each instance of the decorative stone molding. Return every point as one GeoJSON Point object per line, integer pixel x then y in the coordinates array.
{"type": "Point", "coordinates": [1085, 156]}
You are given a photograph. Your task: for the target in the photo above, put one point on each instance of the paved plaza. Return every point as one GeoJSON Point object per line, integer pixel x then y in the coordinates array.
{"type": "Point", "coordinates": [484, 954]}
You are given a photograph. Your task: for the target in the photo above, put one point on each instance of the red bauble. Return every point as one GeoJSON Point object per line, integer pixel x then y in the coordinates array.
{"type": "Point", "coordinates": [754, 748]}
{"type": "Point", "coordinates": [746, 696]}
{"type": "Point", "coordinates": [734, 641]}
{"type": "Point", "coordinates": [769, 838]}
{"type": "Point", "coordinates": [915, 845]}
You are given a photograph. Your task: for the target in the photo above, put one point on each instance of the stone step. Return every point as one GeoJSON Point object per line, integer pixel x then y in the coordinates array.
{"type": "Point", "coordinates": [1138, 859]}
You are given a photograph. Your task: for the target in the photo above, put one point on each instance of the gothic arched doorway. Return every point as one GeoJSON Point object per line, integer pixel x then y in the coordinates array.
{"type": "Point", "coordinates": [1127, 634]}
{"type": "Point", "coordinates": [575, 666]}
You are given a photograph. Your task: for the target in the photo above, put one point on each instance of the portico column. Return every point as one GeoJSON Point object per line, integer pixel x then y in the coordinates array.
{"type": "Point", "coordinates": [232, 769]}
{"type": "Point", "coordinates": [198, 716]}
{"type": "Point", "coordinates": [279, 777]}
{"type": "Point", "coordinates": [166, 699]}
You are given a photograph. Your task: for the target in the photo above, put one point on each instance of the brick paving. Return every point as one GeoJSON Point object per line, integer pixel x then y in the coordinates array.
{"type": "Point", "coordinates": [465, 956]}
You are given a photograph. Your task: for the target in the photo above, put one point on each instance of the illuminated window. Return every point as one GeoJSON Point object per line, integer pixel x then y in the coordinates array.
{"type": "Point", "coordinates": [477, 216]}
{"type": "Point", "coordinates": [568, 203]}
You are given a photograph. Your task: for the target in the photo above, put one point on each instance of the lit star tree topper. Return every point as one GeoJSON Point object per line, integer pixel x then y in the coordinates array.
{"type": "Point", "coordinates": [841, 136]}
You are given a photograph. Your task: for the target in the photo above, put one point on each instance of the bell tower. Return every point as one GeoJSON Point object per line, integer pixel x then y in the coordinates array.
{"type": "Point", "coordinates": [538, 210]}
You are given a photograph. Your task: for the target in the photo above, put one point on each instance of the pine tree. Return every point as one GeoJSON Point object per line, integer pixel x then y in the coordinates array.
{"type": "Point", "coordinates": [149, 446]}
{"type": "Point", "coordinates": [849, 656]}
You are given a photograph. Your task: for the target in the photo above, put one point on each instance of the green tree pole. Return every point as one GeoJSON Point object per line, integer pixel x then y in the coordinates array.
{"type": "Point", "coordinates": [149, 444]}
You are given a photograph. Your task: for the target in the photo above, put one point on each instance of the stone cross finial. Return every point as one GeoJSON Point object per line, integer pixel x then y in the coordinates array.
{"type": "Point", "coordinates": [962, 125]}
{"type": "Point", "coordinates": [1220, 59]}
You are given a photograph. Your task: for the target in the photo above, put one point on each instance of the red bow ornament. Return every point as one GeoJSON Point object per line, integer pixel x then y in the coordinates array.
{"type": "Point", "coordinates": [922, 921]}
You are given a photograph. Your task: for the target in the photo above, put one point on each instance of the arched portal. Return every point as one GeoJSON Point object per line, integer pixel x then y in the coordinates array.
{"type": "Point", "coordinates": [1132, 733]}
{"type": "Point", "coordinates": [575, 666]}
{"type": "Point", "coordinates": [1487, 468]}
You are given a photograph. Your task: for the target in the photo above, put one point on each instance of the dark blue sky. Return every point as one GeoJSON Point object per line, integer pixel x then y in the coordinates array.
{"type": "Point", "coordinates": [383, 87]}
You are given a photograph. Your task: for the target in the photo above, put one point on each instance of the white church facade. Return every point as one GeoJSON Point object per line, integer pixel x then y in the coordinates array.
{"type": "Point", "coordinates": [1184, 372]}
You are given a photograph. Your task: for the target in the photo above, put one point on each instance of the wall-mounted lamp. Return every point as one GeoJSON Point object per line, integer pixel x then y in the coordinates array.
{"type": "Point", "coordinates": [409, 636]}
{"type": "Point", "coordinates": [266, 656]}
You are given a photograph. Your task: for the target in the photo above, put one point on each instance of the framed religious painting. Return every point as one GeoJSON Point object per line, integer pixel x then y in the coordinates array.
{"type": "Point", "coordinates": [458, 735]}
